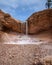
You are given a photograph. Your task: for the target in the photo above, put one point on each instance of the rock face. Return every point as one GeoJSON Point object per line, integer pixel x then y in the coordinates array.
{"type": "Point", "coordinates": [40, 21]}
{"type": "Point", "coordinates": [9, 23]}
{"type": "Point", "coordinates": [37, 22]}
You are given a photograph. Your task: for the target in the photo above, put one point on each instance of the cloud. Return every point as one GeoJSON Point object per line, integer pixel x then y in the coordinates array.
{"type": "Point", "coordinates": [17, 3]}
{"type": "Point", "coordinates": [21, 9]}
{"type": "Point", "coordinates": [11, 3]}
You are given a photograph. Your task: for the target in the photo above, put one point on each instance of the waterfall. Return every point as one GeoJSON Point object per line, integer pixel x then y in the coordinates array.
{"type": "Point", "coordinates": [26, 28]}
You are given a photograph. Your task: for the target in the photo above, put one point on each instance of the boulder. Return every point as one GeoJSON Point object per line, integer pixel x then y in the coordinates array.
{"type": "Point", "coordinates": [47, 60]}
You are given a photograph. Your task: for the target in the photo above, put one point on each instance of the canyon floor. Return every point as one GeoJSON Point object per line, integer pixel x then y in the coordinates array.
{"type": "Point", "coordinates": [35, 48]}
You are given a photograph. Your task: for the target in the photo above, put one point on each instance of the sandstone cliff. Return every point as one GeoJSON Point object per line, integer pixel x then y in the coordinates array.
{"type": "Point", "coordinates": [40, 21]}
{"type": "Point", "coordinates": [9, 23]}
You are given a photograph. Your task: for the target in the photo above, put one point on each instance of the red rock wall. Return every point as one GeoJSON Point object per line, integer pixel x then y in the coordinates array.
{"type": "Point", "coordinates": [40, 21]}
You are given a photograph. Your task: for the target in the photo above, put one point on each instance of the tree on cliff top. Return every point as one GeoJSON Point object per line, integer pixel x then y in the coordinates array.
{"type": "Point", "coordinates": [49, 4]}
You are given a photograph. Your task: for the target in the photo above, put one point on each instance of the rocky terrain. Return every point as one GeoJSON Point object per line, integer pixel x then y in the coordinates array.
{"type": "Point", "coordinates": [39, 26]}
{"type": "Point", "coordinates": [25, 54]}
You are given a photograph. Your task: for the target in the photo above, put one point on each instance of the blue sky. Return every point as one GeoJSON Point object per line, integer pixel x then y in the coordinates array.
{"type": "Point", "coordinates": [22, 9]}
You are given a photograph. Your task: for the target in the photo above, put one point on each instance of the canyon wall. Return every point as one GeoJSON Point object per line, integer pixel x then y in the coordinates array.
{"type": "Point", "coordinates": [37, 22]}
{"type": "Point", "coordinates": [40, 21]}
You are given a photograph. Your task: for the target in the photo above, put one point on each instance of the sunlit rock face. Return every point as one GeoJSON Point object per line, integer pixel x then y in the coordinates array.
{"type": "Point", "coordinates": [40, 21]}
{"type": "Point", "coordinates": [7, 22]}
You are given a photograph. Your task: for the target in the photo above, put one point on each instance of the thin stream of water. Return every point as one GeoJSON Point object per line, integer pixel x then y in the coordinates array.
{"type": "Point", "coordinates": [26, 28]}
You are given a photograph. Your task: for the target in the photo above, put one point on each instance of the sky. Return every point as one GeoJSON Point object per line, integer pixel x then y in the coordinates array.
{"type": "Point", "coordinates": [22, 9]}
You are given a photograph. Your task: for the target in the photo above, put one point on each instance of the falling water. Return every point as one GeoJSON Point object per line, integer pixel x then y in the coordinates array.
{"type": "Point", "coordinates": [26, 28]}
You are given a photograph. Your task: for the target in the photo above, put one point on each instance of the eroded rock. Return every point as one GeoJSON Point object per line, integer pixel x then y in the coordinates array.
{"type": "Point", "coordinates": [7, 22]}
{"type": "Point", "coordinates": [40, 21]}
